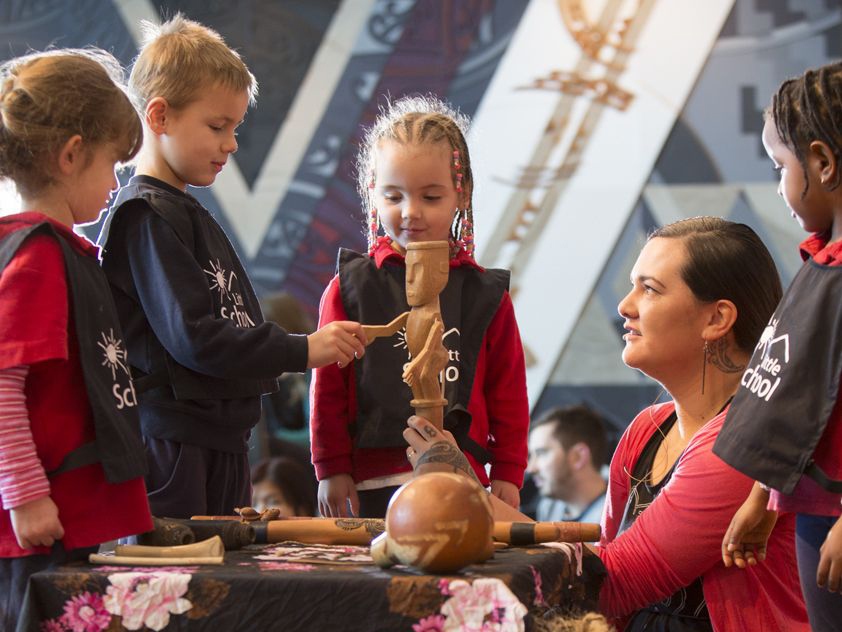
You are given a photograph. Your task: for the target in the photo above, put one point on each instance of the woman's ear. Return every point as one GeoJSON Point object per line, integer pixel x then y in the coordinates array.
{"type": "Point", "coordinates": [157, 113]}
{"type": "Point", "coordinates": [723, 315]}
{"type": "Point", "coordinates": [71, 156]}
{"type": "Point", "coordinates": [822, 161]}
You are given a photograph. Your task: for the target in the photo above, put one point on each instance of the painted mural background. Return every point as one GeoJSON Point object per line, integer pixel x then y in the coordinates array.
{"type": "Point", "coordinates": [576, 102]}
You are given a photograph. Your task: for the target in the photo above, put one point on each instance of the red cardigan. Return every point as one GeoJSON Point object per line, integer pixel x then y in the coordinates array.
{"type": "Point", "coordinates": [498, 403]}
{"type": "Point", "coordinates": [678, 538]}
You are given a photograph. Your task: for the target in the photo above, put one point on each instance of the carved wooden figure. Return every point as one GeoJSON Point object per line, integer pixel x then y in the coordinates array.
{"type": "Point", "coordinates": [427, 270]}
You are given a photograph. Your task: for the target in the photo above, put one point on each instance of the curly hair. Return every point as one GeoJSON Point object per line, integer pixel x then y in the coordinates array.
{"type": "Point", "coordinates": [809, 108]}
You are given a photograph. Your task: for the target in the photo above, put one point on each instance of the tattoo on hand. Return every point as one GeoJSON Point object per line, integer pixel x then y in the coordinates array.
{"type": "Point", "coordinates": [446, 452]}
{"type": "Point", "coordinates": [718, 357]}
{"type": "Point", "coordinates": [430, 431]}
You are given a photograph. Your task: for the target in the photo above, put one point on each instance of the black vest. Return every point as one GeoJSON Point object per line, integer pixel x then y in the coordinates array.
{"type": "Point", "coordinates": [790, 386]}
{"type": "Point", "coordinates": [233, 295]}
{"type": "Point", "coordinates": [375, 296]}
{"type": "Point", "coordinates": [103, 359]}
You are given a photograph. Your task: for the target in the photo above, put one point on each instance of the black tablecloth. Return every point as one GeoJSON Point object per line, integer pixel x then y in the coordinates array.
{"type": "Point", "coordinates": [292, 586]}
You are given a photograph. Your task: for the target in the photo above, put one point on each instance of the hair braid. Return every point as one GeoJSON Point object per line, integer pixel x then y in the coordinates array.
{"type": "Point", "coordinates": [805, 109]}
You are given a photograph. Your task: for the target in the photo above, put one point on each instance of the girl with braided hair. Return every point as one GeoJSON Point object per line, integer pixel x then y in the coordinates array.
{"type": "Point", "coordinates": [785, 426]}
{"type": "Point", "coordinates": [415, 180]}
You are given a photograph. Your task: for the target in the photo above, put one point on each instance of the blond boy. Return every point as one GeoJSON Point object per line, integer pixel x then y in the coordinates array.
{"type": "Point", "coordinates": [201, 353]}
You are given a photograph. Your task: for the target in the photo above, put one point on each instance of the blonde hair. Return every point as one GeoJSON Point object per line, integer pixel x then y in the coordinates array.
{"type": "Point", "coordinates": [178, 58]}
{"type": "Point", "coordinates": [416, 120]}
{"type": "Point", "coordinates": [46, 98]}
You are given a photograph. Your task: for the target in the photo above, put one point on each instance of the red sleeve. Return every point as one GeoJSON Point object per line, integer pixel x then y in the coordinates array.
{"type": "Point", "coordinates": [678, 537]}
{"type": "Point", "coordinates": [33, 304]}
{"type": "Point", "coordinates": [505, 395]}
{"type": "Point", "coordinates": [330, 401]}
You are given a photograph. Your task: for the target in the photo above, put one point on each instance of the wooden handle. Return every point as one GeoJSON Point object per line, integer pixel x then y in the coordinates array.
{"type": "Point", "coordinates": [360, 531]}
{"type": "Point", "coordinates": [523, 533]}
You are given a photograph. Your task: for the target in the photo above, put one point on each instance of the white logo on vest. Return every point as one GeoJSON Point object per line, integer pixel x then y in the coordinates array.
{"type": "Point", "coordinates": [763, 378]}
{"type": "Point", "coordinates": [115, 358]}
{"type": "Point", "coordinates": [451, 372]}
{"type": "Point", "coordinates": [232, 302]}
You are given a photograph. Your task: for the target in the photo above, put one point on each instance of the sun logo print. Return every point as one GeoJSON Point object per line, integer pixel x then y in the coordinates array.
{"type": "Point", "coordinates": [115, 355]}
{"type": "Point", "coordinates": [401, 343]}
{"type": "Point", "coordinates": [218, 280]}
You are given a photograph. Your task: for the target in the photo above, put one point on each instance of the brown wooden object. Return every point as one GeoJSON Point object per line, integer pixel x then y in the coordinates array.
{"type": "Point", "coordinates": [427, 271]}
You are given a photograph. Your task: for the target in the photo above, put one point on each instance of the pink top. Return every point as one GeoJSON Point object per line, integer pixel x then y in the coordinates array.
{"type": "Point", "coordinates": [22, 477]}
{"type": "Point", "coordinates": [678, 538]}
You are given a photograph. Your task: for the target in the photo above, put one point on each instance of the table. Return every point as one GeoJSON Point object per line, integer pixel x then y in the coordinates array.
{"type": "Point", "coordinates": [293, 586]}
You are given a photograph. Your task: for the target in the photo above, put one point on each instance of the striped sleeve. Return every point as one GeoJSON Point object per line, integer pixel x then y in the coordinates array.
{"type": "Point", "coordinates": [22, 477]}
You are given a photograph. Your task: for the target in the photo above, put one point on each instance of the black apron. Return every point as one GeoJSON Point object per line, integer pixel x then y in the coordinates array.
{"type": "Point", "coordinates": [790, 387]}
{"type": "Point", "coordinates": [102, 356]}
{"type": "Point", "coordinates": [375, 296]}
{"type": "Point", "coordinates": [685, 610]}
{"type": "Point", "coordinates": [201, 235]}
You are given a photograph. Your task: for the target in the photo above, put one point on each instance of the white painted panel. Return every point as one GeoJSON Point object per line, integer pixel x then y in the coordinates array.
{"type": "Point", "coordinates": [559, 263]}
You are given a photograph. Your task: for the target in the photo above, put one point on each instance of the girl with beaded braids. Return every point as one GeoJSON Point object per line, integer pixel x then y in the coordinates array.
{"type": "Point", "coordinates": [785, 426]}
{"type": "Point", "coordinates": [415, 181]}
{"type": "Point", "coordinates": [71, 459]}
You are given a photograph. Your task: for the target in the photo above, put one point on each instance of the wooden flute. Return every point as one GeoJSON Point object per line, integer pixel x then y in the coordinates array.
{"type": "Point", "coordinates": [362, 531]}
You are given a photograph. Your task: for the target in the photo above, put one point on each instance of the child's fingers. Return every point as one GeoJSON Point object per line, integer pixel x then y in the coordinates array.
{"type": "Point", "coordinates": [355, 333]}
{"type": "Point", "coordinates": [343, 353]}
{"type": "Point", "coordinates": [732, 547]}
{"type": "Point", "coordinates": [823, 571]}
{"type": "Point", "coordinates": [354, 500]}
{"type": "Point", "coordinates": [833, 576]}
{"type": "Point", "coordinates": [739, 560]}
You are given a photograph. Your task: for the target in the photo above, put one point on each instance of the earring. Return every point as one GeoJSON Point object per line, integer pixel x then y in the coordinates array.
{"type": "Point", "coordinates": [466, 231]}
{"type": "Point", "coordinates": [373, 225]}
{"type": "Point", "coordinates": [705, 352]}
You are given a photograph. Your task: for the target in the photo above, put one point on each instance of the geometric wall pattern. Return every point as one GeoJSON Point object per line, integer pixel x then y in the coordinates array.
{"type": "Point", "coordinates": [289, 201]}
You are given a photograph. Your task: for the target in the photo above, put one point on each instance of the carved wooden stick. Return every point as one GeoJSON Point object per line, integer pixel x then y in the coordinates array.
{"type": "Point", "coordinates": [524, 533]}
{"type": "Point", "coordinates": [362, 531]}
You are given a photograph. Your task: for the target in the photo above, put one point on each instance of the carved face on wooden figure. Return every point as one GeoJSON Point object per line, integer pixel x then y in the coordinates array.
{"type": "Point", "coordinates": [427, 269]}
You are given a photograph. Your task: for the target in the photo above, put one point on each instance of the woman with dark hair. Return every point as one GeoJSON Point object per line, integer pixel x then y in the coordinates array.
{"type": "Point", "coordinates": [702, 292]}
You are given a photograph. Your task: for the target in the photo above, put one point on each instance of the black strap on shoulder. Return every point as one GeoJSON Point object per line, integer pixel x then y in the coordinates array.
{"type": "Point", "coordinates": [817, 474]}
{"type": "Point", "coordinates": [147, 381]}
{"type": "Point", "coordinates": [85, 454]}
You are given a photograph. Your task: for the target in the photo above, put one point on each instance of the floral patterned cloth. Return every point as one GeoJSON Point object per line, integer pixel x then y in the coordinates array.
{"type": "Point", "coordinates": [292, 586]}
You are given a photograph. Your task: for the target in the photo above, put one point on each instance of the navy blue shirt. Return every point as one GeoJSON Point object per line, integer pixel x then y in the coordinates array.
{"type": "Point", "coordinates": [191, 319]}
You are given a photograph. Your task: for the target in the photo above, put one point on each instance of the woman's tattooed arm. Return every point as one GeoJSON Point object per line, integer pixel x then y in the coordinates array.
{"type": "Point", "coordinates": [448, 454]}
